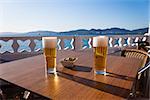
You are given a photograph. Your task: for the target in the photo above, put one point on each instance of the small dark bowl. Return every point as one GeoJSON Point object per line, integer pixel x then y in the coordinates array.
{"type": "Point", "coordinates": [68, 62]}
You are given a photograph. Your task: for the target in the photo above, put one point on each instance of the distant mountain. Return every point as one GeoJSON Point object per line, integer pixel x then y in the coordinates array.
{"type": "Point", "coordinates": [34, 33]}
{"type": "Point", "coordinates": [143, 30]}
{"type": "Point", "coordinates": [77, 32]}
{"type": "Point", "coordinates": [41, 33]}
{"type": "Point", "coordinates": [7, 33]}
{"type": "Point", "coordinates": [110, 31]}
{"type": "Point", "coordinates": [116, 30]}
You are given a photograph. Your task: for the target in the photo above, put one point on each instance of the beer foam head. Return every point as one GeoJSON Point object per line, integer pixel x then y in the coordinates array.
{"type": "Point", "coordinates": [49, 42]}
{"type": "Point", "coordinates": [100, 41]}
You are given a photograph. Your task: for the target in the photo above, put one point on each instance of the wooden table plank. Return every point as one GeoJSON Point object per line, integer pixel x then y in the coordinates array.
{"type": "Point", "coordinates": [30, 74]}
{"type": "Point", "coordinates": [115, 64]}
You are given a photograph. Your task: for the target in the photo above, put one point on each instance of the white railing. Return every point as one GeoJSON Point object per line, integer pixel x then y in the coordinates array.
{"type": "Point", "coordinates": [34, 44]}
{"type": "Point", "coordinates": [20, 47]}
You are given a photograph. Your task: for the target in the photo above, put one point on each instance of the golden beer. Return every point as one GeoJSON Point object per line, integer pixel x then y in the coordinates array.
{"type": "Point", "coordinates": [50, 50]}
{"type": "Point", "coordinates": [50, 56]}
{"type": "Point", "coordinates": [100, 53]}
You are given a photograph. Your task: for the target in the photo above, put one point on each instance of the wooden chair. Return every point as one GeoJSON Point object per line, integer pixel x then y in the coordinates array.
{"type": "Point", "coordinates": [144, 81]}
{"type": "Point", "coordinates": [142, 45]}
{"type": "Point", "coordinates": [135, 53]}
{"type": "Point", "coordinates": [141, 85]}
{"type": "Point", "coordinates": [138, 54]}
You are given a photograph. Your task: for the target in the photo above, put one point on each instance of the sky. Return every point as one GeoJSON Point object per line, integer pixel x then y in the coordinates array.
{"type": "Point", "coordinates": [65, 15]}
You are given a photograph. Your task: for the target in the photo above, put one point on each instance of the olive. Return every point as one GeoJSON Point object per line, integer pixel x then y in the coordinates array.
{"type": "Point", "coordinates": [71, 59]}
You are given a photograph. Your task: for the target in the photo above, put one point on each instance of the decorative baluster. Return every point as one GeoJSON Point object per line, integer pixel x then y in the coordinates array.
{"type": "Point", "coordinates": [116, 42]}
{"type": "Point", "coordinates": [67, 43]}
{"type": "Point", "coordinates": [24, 45]}
{"type": "Point", "coordinates": [32, 44]}
{"type": "Point", "coordinates": [110, 42]}
{"type": "Point", "coordinates": [78, 43]}
{"type": "Point", "coordinates": [72, 43]}
{"type": "Point", "coordinates": [125, 41]}
{"type": "Point", "coordinates": [90, 43]}
{"type": "Point", "coordinates": [136, 40]}
{"type": "Point", "coordinates": [15, 45]}
{"type": "Point", "coordinates": [120, 42]}
{"type": "Point", "coordinates": [61, 43]}
{"type": "Point", "coordinates": [6, 46]}
{"type": "Point", "coordinates": [58, 44]}
{"type": "Point", "coordinates": [86, 43]}
{"type": "Point", "coordinates": [144, 38]}
{"type": "Point", "coordinates": [133, 41]}
{"type": "Point", "coordinates": [139, 39]}
{"type": "Point", "coordinates": [130, 41]}
{"type": "Point", "coordinates": [38, 45]}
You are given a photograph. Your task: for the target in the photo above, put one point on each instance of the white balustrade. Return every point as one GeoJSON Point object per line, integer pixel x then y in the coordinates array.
{"type": "Point", "coordinates": [33, 44]}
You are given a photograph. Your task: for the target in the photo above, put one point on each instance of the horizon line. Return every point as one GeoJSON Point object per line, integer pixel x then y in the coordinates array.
{"type": "Point", "coordinates": [70, 30]}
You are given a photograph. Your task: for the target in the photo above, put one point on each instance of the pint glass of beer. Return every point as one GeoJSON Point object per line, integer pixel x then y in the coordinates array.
{"type": "Point", "coordinates": [49, 50]}
{"type": "Point", "coordinates": [100, 45]}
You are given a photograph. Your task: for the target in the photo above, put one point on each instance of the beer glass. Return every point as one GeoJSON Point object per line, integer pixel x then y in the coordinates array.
{"type": "Point", "coordinates": [100, 45]}
{"type": "Point", "coordinates": [49, 50]}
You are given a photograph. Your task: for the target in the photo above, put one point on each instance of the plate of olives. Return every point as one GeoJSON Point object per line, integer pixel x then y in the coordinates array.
{"type": "Point", "coordinates": [69, 62]}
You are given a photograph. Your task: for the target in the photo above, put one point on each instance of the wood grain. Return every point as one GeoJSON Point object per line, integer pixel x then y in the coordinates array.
{"type": "Point", "coordinates": [30, 74]}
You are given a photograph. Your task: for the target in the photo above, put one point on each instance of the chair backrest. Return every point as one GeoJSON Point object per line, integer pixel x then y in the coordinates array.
{"type": "Point", "coordinates": [144, 80]}
{"type": "Point", "coordinates": [143, 69]}
{"type": "Point", "coordinates": [142, 45]}
{"type": "Point", "coordinates": [134, 53]}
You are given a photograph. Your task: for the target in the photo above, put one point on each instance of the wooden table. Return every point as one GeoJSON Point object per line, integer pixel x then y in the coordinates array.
{"type": "Point", "coordinates": [69, 84]}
